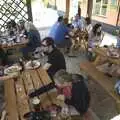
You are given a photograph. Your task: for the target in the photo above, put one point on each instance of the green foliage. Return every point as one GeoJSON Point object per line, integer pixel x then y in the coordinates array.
{"type": "Point", "coordinates": [114, 32]}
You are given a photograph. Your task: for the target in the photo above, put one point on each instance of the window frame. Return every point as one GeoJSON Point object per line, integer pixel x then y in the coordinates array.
{"type": "Point", "coordinates": [101, 7]}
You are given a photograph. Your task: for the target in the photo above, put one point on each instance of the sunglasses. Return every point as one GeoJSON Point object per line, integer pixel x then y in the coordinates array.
{"type": "Point", "coordinates": [43, 45]}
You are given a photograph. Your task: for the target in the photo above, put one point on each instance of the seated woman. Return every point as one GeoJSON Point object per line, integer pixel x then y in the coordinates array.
{"type": "Point", "coordinates": [70, 84]}
{"type": "Point", "coordinates": [95, 36]}
{"type": "Point", "coordinates": [94, 39]}
{"type": "Point", "coordinates": [33, 35]}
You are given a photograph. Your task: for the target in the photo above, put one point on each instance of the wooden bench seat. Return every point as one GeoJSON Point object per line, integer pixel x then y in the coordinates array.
{"type": "Point", "coordinates": [10, 97]}
{"type": "Point", "coordinates": [100, 78]}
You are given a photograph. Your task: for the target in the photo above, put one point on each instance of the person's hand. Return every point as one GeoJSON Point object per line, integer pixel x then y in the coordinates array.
{"type": "Point", "coordinates": [61, 97]}
{"type": "Point", "coordinates": [46, 66]}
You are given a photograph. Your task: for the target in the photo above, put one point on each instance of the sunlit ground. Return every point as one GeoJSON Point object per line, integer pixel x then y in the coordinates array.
{"type": "Point", "coordinates": [46, 17]}
{"type": "Point", "coordinates": [109, 40]}
{"type": "Point", "coordinates": [42, 16]}
{"type": "Point", "coordinates": [116, 118]}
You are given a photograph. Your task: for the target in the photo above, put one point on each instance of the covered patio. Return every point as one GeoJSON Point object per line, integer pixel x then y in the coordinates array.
{"type": "Point", "coordinates": [16, 89]}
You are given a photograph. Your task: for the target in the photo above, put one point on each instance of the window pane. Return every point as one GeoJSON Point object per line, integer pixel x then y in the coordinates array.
{"type": "Point", "coordinates": [104, 10]}
{"type": "Point", "coordinates": [97, 9]}
{"type": "Point", "coordinates": [105, 1]}
{"type": "Point", "coordinates": [113, 2]}
{"type": "Point", "coordinates": [97, 1]}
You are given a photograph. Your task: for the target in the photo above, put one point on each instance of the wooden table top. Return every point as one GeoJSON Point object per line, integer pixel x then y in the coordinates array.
{"type": "Point", "coordinates": [15, 45]}
{"type": "Point", "coordinates": [16, 92]}
{"type": "Point", "coordinates": [103, 52]}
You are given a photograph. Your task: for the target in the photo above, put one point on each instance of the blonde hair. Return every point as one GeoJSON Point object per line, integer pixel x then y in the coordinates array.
{"type": "Point", "coordinates": [29, 26]}
{"type": "Point", "coordinates": [62, 76]}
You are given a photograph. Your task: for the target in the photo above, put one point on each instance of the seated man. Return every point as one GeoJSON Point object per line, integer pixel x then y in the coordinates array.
{"type": "Point", "coordinates": [78, 22]}
{"type": "Point", "coordinates": [33, 35]}
{"type": "Point", "coordinates": [60, 32]}
{"type": "Point", "coordinates": [56, 60]}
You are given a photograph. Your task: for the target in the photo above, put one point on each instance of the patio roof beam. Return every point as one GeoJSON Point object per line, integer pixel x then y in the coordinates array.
{"type": "Point", "coordinates": [67, 8]}
{"type": "Point", "coordinates": [118, 17]}
{"type": "Point", "coordinates": [89, 8]}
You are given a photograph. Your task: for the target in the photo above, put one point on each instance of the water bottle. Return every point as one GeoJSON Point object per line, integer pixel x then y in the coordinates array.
{"type": "Point", "coordinates": [21, 64]}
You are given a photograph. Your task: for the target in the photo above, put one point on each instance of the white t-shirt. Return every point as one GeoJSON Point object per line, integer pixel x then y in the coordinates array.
{"type": "Point", "coordinates": [79, 24]}
{"type": "Point", "coordinates": [94, 40]}
{"type": "Point", "coordinates": [89, 28]}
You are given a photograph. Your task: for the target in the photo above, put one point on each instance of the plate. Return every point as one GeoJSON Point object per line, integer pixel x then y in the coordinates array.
{"type": "Point", "coordinates": [12, 69]}
{"type": "Point", "coordinates": [32, 64]}
{"type": "Point", "coordinates": [113, 54]}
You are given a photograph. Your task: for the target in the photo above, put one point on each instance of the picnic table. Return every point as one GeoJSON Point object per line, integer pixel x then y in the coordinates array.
{"type": "Point", "coordinates": [13, 50]}
{"type": "Point", "coordinates": [102, 52]}
{"type": "Point", "coordinates": [79, 39]}
{"type": "Point", "coordinates": [15, 45]}
{"type": "Point", "coordinates": [17, 90]}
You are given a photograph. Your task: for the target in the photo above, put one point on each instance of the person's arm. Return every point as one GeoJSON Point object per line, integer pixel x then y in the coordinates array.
{"type": "Point", "coordinates": [102, 36]}
{"type": "Point", "coordinates": [8, 77]}
{"type": "Point", "coordinates": [47, 66]}
{"type": "Point", "coordinates": [42, 90]}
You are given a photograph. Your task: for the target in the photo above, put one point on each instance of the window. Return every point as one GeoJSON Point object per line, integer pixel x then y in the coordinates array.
{"type": "Point", "coordinates": [113, 5]}
{"type": "Point", "coordinates": [113, 2]}
{"type": "Point", "coordinates": [100, 7]}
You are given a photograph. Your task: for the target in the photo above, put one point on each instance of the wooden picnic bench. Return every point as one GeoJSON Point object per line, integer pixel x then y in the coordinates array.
{"type": "Point", "coordinates": [102, 53]}
{"type": "Point", "coordinates": [106, 82]}
{"type": "Point", "coordinates": [17, 90]}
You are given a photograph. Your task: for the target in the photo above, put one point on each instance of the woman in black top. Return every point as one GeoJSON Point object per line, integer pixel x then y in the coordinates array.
{"type": "Point", "coordinates": [78, 96]}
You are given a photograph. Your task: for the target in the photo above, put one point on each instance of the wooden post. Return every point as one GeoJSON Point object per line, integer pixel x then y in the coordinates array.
{"type": "Point", "coordinates": [89, 8]}
{"type": "Point", "coordinates": [118, 17]}
{"type": "Point", "coordinates": [67, 8]}
{"type": "Point", "coordinates": [29, 10]}
{"type": "Point", "coordinates": [79, 10]}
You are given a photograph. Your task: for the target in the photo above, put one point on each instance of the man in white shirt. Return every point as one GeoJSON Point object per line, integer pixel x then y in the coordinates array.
{"type": "Point", "coordinates": [78, 22]}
